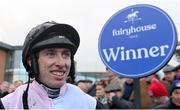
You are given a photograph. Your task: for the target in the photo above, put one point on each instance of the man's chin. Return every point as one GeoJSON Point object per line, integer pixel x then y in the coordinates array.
{"type": "Point", "coordinates": [58, 84]}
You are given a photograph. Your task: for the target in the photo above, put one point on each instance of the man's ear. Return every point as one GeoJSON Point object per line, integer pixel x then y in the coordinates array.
{"type": "Point", "coordinates": [29, 61]}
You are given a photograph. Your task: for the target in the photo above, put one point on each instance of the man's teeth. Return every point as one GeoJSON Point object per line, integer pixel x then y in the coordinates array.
{"type": "Point", "coordinates": [58, 73]}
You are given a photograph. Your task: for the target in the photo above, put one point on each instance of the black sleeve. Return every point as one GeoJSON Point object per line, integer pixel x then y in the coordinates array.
{"type": "Point", "coordinates": [121, 103]}
{"type": "Point", "coordinates": [99, 105]}
{"type": "Point", "coordinates": [1, 105]}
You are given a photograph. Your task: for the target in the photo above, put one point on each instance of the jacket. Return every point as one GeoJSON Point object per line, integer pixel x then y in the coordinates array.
{"type": "Point", "coordinates": [70, 97]}
{"type": "Point", "coordinates": [120, 103]}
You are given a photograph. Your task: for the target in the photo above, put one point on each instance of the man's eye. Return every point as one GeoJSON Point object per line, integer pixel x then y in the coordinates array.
{"type": "Point", "coordinates": [67, 54]}
{"type": "Point", "coordinates": [50, 54]}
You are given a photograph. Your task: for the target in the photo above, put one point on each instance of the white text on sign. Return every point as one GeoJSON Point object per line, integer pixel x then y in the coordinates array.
{"type": "Point", "coordinates": [120, 53]}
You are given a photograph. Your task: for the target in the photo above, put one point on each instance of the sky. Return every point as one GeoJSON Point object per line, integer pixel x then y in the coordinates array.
{"type": "Point", "coordinates": [17, 17]}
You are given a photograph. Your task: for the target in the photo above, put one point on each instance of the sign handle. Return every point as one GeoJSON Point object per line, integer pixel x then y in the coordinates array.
{"type": "Point", "coordinates": [137, 93]}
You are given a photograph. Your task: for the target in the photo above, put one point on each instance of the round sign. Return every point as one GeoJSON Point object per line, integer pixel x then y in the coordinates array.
{"type": "Point", "coordinates": [137, 41]}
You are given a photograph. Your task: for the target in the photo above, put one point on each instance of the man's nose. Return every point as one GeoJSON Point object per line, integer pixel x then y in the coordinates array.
{"type": "Point", "coordinates": [59, 61]}
{"type": "Point", "coordinates": [178, 96]}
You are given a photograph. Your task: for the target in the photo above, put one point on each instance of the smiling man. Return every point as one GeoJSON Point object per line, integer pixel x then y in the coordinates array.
{"type": "Point", "coordinates": [48, 56]}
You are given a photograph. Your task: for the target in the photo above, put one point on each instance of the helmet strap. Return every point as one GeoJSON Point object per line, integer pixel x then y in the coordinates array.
{"type": "Point", "coordinates": [71, 75]}
{"type": "Point", "coordinates": [25, 96]}
{"type": "Point", "coordinates": [34, 66]}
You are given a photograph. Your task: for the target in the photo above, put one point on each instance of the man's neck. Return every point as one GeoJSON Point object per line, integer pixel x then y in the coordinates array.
{"type": "Point", "coordinates": [52, 92]}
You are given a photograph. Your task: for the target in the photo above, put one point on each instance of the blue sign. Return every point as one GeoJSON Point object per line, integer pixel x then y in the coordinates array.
{"type": "Point", "coordinates": [137, 41]}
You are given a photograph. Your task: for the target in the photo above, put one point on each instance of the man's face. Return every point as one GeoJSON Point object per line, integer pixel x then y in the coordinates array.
{"type": "Point", "coordinates": [169, 76]}
{"type": "Point", "coordinates": [178, 72]}
{"type": "Point", "coordinates": [54, 66]}
{"type": "Point", "coordinates": [176, 97]}
{"type": "Point", "coordinates": [18, 83]}
{"type": "Point", "coordinates": [4, 87]}
{"type": "Point", "coordinates": [100, 90]}
{"type": "Point", "coordinates": [158, 99]}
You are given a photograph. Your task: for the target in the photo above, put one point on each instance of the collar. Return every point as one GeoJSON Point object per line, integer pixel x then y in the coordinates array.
{"type": "Point", "coordinates": [41, 91]}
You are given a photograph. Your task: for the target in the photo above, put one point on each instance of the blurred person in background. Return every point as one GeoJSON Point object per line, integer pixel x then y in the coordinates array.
{"type": "Point", "coordinates": [81, 84]}
{"type": "Point", "coordinates": [18, 83]}
{"type": "Point", "coordinates": [4, 87]}
{"type": "Point", "coordinates": [158, 93]}
{"type": "Point", "coordinates": [168, 76]}
{"type": "Point", "coordinates": [91, 88]}
{"type": "Point", "coordinates": [12, 88]}
{"type": "Point", "coordinates": [145, 82]}
{"type": "Point", "coordinates": [174, 102]}
{"type": "Point", "coordinates": [113, 78]}
{"type": "Point", "coordinates": [104, 80]}
{"type": "Point", "coordinates": [100, 93]}
{"type": "Point", "coordinates": [128, 89]}
{"type": "Point", "coordinates": [168, 73]}
{"type": "Point", "coordinates": [87, 86]}
{"type": "Point", "coordinates": [114, 93]}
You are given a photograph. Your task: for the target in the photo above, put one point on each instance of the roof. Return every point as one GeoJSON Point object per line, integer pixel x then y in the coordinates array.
{"type": "Point", "coordinates": [6, 46]}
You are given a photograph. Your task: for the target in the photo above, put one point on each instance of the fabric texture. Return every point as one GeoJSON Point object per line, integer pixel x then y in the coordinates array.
{"type": "Point", "coordinates": [70, 97]}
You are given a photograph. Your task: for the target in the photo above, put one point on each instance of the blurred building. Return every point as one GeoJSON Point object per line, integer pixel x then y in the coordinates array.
{"type": "Point", "coordinates": [11, 67]}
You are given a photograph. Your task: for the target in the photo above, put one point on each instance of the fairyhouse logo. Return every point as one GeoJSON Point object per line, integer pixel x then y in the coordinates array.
{"type": "Point", "coordinates": [133, 17]}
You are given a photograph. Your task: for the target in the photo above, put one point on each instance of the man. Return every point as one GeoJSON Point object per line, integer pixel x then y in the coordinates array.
{"type": "Point", "coordinates": [18, 83]}
{"type": "Point", "coordinates": [168, 76]}
{"type": "Point", "coordinates": [48, 56]}
{"type": "Point", "coordinates": [113, 78]}
{"type": "Point", "coordinates": [114, 94]}
{"type": "Point", "coordinates": [128, 89]}
{"type": "Point", "coordinates": [4, 87]}
{"type": "Point", "coordinates": [100, 92]}
{"type": "Point", "coordinates": [174, 102]}
{"type": "Point", "coordinates": [82, 85]}
{"type": "Point", "coordinates": [12, 88]}
{"type": "Point", "coordinates": [168, 73]}
{"type": "Point", "coordinates": [158, 93]}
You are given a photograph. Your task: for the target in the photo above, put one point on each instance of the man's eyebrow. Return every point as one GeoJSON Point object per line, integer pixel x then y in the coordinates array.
{"type": "Point", "coordinates": [66, 50]}
{"type": "Point", "coordinates": [49, 49]}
